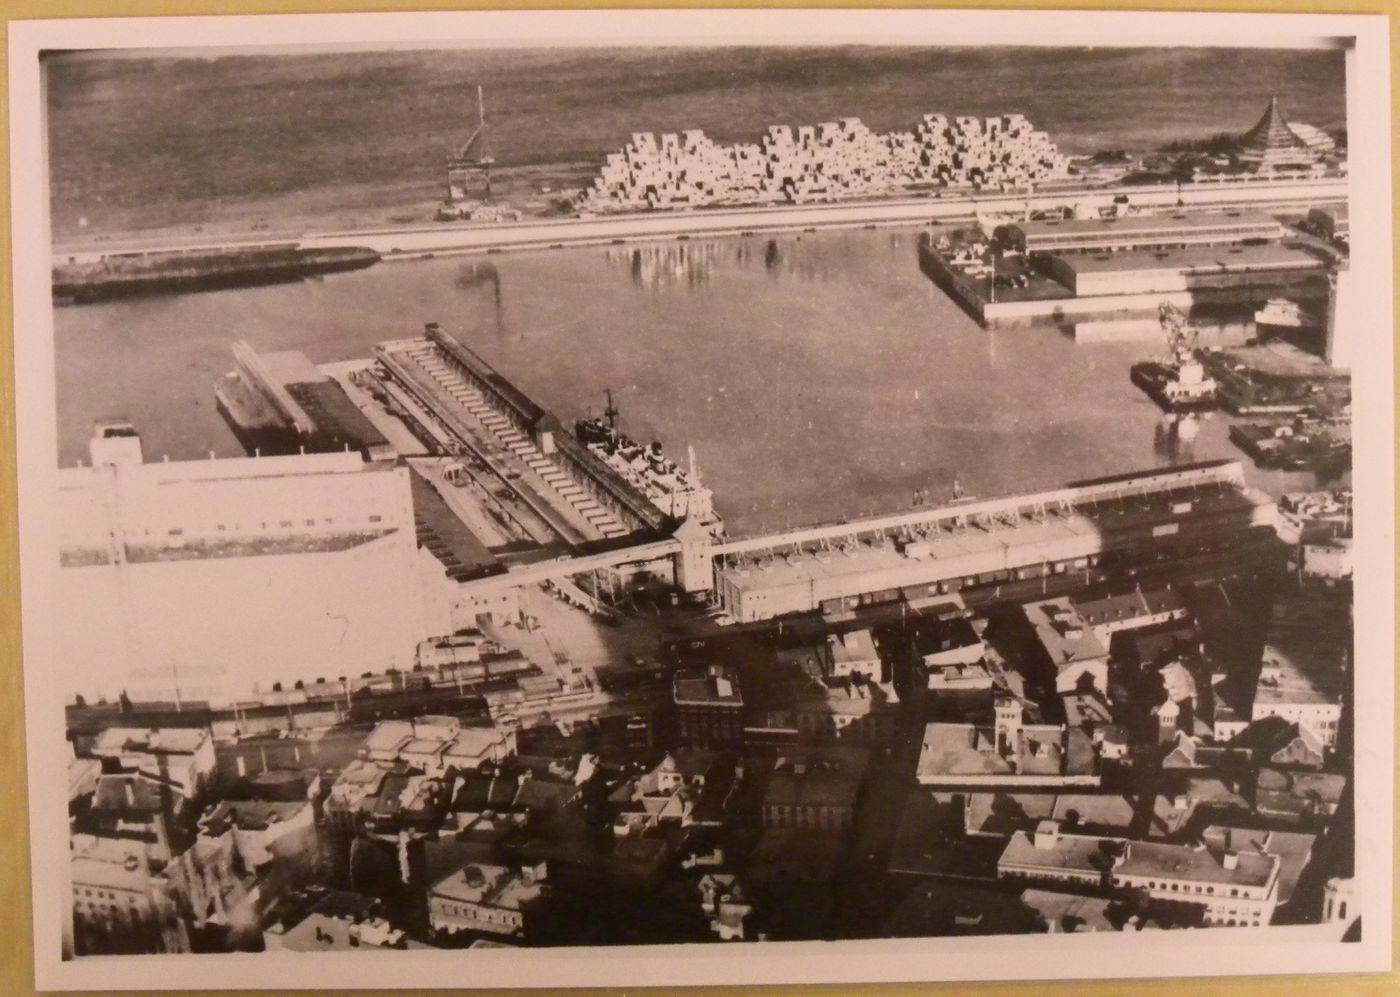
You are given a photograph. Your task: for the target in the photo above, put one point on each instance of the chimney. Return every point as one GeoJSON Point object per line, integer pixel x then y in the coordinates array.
{"type": "Point", "coordinates": [1047, 834]}
{"type": "Point", "coordinates": [130, 792]}
{"type": "Point", "coordinates": [1230, 859]}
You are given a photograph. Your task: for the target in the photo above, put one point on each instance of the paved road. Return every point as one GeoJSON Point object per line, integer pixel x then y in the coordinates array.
{"type": "Point", "coordinates": [548, 233]}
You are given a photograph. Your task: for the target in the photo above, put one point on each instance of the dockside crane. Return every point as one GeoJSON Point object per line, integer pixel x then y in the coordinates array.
{"type": "Point", "coordinates": [472, 161]}
{"type": "Point", "coordinates": [1182, 340]}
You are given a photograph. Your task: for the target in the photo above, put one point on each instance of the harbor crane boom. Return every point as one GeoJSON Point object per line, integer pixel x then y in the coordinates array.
{"type": "Point", "coordinates": [1181, 338]}
{"type": "Point", "coordinates": [473, 159]}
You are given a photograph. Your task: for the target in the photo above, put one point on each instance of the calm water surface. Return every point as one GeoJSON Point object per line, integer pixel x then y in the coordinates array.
{"type": "Point", "coordinates": [816, 376]}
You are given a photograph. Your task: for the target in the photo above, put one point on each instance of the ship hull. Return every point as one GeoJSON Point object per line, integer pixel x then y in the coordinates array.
{"type": "Point", "coordinates": [167, 273]}
{"type": "Point", "coordinates": [1153, 378]}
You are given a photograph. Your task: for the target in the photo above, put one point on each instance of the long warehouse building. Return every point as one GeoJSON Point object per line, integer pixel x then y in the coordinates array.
{"type": "Point", "coordinates": [1143, 231]}
{"type": "Point", "coordinates": [1175, 512]}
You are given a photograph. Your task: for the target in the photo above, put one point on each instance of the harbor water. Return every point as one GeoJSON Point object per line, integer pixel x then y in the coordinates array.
{"type": "Point", "coordinates": [817, 376]}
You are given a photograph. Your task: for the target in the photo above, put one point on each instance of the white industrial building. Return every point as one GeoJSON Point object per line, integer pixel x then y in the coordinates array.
{"type": "Point", "coordinates": [206, 580]}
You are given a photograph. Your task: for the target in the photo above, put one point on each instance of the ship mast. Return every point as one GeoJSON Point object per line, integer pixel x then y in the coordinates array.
{"type": "Point", "coordinates": [611, 413]}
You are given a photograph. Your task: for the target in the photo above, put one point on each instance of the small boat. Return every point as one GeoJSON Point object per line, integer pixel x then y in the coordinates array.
{"type": "Point", "coordinates": [1282, 313]}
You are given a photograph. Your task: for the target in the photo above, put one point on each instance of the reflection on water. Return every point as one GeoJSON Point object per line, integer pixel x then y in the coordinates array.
{"type": "Point", "coordinates": [816, 375]}
{"type": "Point", "coordinates": [693, 263]}
{"type": "Point", "coordinates": [773, 257]}
{"type": "Point", "coordinates": [482, 276]}
{"type": "Point", "coordinates": [1175, 437]}
{"type": "Point", "coordinates": [1213, 326]}
{"type": "Point", "coordinates": [658, 266]}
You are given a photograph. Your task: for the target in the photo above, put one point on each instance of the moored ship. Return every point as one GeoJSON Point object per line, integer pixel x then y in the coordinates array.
{"type": "Point", "coordinates": [123, 275]}
{"type": "Point", "coordinates": [1177, 382]}
{"type": "Point", "coordinates": [676, 491]}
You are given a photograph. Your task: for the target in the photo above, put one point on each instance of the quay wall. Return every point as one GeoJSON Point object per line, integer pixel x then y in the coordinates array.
{"type": "Point", "coordinates": [955, 285]}
{"type": "Point", "coordinates": [1055, 309]}
{"type": "Point", "coordinates": [550, 435]}
{"type": "Point", "coordinates": [409, 242]}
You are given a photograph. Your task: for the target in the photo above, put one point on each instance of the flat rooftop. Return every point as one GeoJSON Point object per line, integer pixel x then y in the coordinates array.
{"type": "Point", "coordinates": [442, 531]}
{"type": "Point", "coordinates": [1194, 260]}
{"type": "Point", "coordinates": [336, 416]}
{"type": "Point", "coordinates": [850, 700]}
{"type": "Point", "coordinates": [1285, 683]}
{"type": "Point", "coordinates": [702, 688]}
{"type": "Point", "coordinates": [975, 548]}
{"type": "Point", "coordinates": [1082, 853]}
{"type": "Point", "coordinates": [1307, 647]}
{"type": "Point", "coordinates": [489, 885]}
{"type": "Point", "coordinates": [252, 815]}
{"type": "Point", "coordinates": [963, 552]}
{"type": "Point", "coordinates": [1064, 634]}
{"type": "Point", "coordinates": [1138, 225]}
{"type": "Point", "coordinates": [163, 740]}
{"type": "Point", "coordinates": [388, 735]}
{"type": "Point", "coordinates": [290, 367]}
{"type": "Point", "coordinates": [177, 472]}
{"type": "Point", "coordinates": [819, 781]}
{"type": "Point", "coordinates": [423, 746]}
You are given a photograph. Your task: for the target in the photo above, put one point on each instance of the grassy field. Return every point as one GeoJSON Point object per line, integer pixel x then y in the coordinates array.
{"type": "Point", "coordinates": [242, 143]}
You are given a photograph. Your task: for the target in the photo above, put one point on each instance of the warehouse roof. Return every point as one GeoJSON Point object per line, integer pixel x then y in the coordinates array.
{"type": "Point", "coordinates": [1194, 260]}
{"type": "Point", "coordinates": [1184, 224]}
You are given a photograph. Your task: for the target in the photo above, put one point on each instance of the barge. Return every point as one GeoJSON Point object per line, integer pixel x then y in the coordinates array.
{"type": "Point", "coordinates": [124, 275]}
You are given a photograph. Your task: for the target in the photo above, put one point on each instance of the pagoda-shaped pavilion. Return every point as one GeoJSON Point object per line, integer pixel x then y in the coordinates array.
{"type": "Point", "coordinates": [1273, 143]}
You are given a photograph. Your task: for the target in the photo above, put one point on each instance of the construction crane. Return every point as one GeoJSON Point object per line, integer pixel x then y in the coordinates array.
{"type": "Point", "coordinates": [472, 161]}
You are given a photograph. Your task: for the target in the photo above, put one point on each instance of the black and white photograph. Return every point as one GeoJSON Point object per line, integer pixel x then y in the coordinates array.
{"type": "Point", "coordinates": [741, 497]}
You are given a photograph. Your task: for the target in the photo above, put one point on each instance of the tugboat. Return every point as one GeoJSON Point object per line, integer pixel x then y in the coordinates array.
{"type": "Point", "coordinates": [1177, 383]}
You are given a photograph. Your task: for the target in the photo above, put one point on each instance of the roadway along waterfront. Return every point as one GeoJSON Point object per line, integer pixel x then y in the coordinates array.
{"type": "Point", "coordinates": [443, 239]}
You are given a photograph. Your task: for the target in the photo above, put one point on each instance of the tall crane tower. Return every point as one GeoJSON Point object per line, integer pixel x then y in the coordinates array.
{"type": "Point", "coordinates": [472, 162]}
{"type": "Point", "coordinates": [1181, 338]}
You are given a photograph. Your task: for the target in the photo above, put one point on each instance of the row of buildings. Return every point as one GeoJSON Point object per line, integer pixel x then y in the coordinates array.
{"type": "Point", "coordinates": [1182, 781]}
{"type": "Point", "coordinates": [1177, 512]}
{"type": "Point", "coordinates": [828, 161]}
{"type": "Point", "coordinates": [1040, 727]}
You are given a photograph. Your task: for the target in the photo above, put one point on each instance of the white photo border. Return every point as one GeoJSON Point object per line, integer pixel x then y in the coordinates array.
{"type": "Point", "coordinates": [1307, 949]}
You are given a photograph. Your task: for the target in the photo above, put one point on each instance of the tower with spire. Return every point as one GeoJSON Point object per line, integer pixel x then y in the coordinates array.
{"type": "Point", "coordinates": [1274, 143]}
